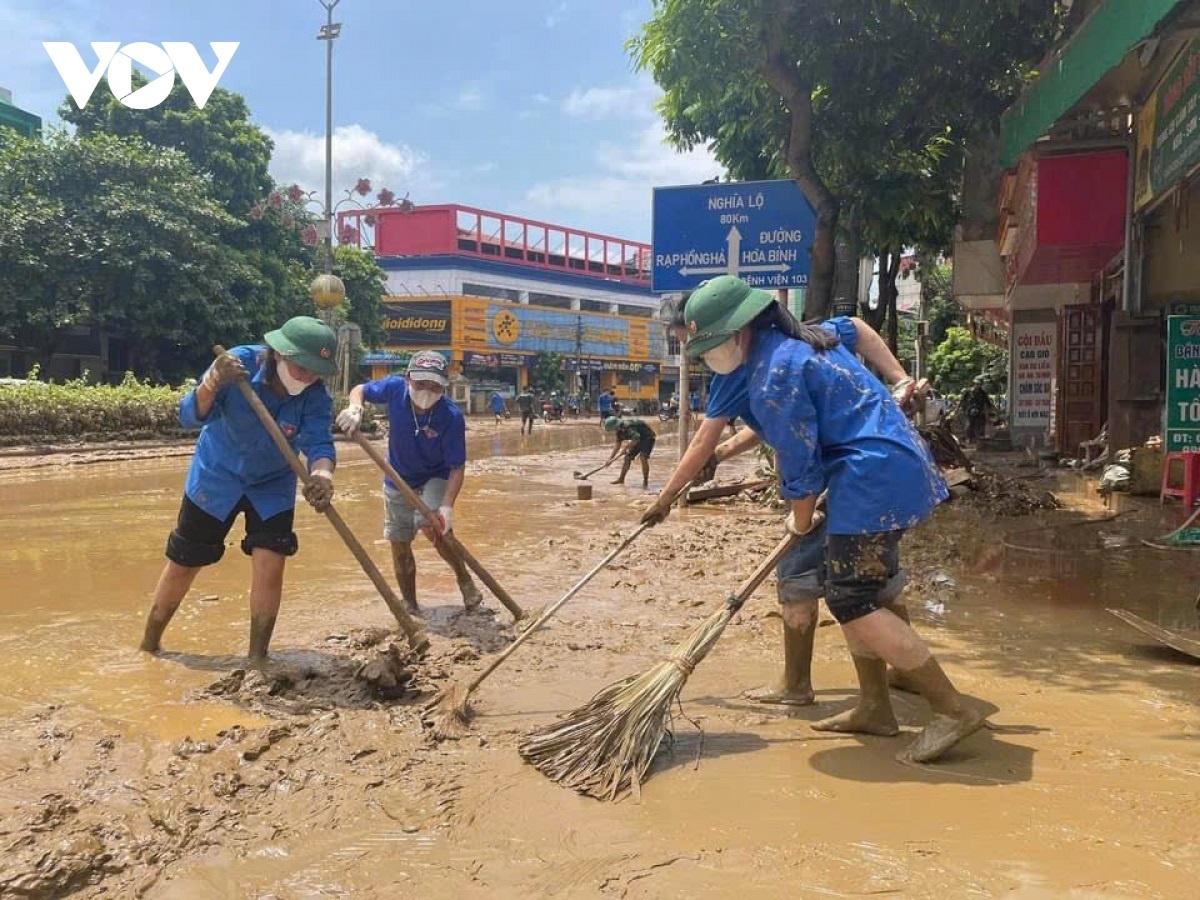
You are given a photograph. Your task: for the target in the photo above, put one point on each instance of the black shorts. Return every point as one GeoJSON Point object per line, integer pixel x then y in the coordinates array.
{"type": "Point", "coordinates": [199, 539]}
{"type": "Point", "coordinates": [644, 447]}
{"type": "Point", "coordinates": [860, 567]}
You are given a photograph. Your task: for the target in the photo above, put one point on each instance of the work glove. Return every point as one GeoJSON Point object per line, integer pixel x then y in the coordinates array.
{"type": "Point", "coordinates": [444, 518]}
{"type": "Point", "coordinates": [350, 419]}
{"type": "Point", "coordinates": [708, 471]}
{"type": "Point", "coordinates": [318, 490]}
{"type": "Point", "coordinates": [226, 369]}
{"type": "Point", "coordinates": [902, 392]}
{"type": "Point", "coordinates": [656, 512]}
{"type": "Point", "coordinates": [818, 518]}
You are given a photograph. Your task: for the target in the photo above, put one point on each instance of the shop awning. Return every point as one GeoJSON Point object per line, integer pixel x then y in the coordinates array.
{"type": "Point", "coordinates": [1101, 42]}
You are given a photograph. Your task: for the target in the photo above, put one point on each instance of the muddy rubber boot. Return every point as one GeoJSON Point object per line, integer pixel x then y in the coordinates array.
{"type": "Point", "coordinates": [472, 598]}
{"type": "Point", "coordinates": [406, 579]}
{"type": "Point", "coordinates": [954, 717]}
{"type": "Point", "coordinates": [261, 629]}
{"type": "Point", "coordinates": [873, 713]}
{"type": "Point", "coordinates": [794, 687]}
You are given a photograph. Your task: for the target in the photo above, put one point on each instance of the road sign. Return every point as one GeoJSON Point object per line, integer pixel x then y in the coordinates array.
{"type": "Point", "coordinates": [1183, 384]}
{"type": "Point", "coordinates": [761, 231]}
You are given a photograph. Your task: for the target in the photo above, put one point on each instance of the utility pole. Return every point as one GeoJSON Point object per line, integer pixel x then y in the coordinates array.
{"type": "Point", "coordinates": [579, 356]}
{"type": "Point", "coordinates": [329, 33]}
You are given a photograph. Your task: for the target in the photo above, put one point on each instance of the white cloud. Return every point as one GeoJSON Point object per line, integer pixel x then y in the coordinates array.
{"type": "Point", "coordinates": [540, 99]}
{"type": "Point", "coordinates": [634, 100]}
{"type": "Point", "coordinates": [299, 158]}
{"type": "Point", "coordinates": [624, 176]}
{"type": "Point", "coordinates": [27, 69]}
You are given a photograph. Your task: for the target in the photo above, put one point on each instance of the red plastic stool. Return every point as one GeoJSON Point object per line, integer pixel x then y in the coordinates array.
{"type": "Point", "coordinates": [1189, 493]}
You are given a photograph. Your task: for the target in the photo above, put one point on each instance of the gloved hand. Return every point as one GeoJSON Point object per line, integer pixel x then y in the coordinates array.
{"type": "Point", "coordinates": [444, 518]}
{"type": "Point", "coordinates": [818, 518]}
{"type": "Point", "coordinates": [319, 490]}
{"type": "Point", "coordinates": [656, 512]}
{"type": "Point", "coordinates": [225, 369]}
{"type": "Point", "coordinates": [902, 392]}
{"type": "Point", "coordinates": [350, 419]}
{"type": "Point", "coordinates": [708, 472]}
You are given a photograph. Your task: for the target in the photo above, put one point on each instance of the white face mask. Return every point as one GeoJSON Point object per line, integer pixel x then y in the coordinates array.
{"type": "Point", "coordinates": [292, 385]}
{"type": "Point", "coordinates": [423, 398]}
{"type": "Point", "coordinates": [725, 358]}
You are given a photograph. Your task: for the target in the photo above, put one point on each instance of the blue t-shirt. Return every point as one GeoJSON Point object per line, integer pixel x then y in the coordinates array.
{"type": "Point", "coordinates": [420, 446]}
{"type": "Point", "coordinates": [497, 403]}
{"type": "Point", "coordinates": [605, 403]}
{"type": "Point", "coordinates": [235, 456]}
{"type": "Point", "coordinates": [728, 398]}
{"type": "Point", "coordinates": [833, 424]}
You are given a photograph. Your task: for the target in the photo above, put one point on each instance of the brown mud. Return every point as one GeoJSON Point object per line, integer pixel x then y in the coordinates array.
{"type": "Point", "coordinates": [189, 775]}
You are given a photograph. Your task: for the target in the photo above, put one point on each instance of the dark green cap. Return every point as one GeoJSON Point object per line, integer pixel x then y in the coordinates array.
{"type": "Point", "coordinates": [307, 342]}
{"type": "Point", "coordinates": [718, 309]}
{"type": "Point", "coordinates": [611, 422]}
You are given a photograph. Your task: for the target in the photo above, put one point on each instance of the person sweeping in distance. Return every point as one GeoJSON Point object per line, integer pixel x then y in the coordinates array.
{"type": "Point", "coordinates": [834, 427]}
{"type": "Point", "coordinates": [637, 440]}
{"type": "Point", "coordinates": [800, 581]}
{"type": "Point", "coordinates": [427, 446]}
{"type": "Point", "coordinates": [237, 469]}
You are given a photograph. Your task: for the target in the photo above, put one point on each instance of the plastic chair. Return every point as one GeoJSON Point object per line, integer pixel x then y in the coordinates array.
{"type": "Point", "coordinates": [1189, 491]}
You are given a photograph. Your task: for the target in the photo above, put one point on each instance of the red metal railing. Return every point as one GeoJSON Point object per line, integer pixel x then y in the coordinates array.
{"type": "Point", "coordinates": [467, 231]}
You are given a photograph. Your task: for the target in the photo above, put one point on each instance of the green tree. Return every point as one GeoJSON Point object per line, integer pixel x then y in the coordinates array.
{"type": "Point", "coordinates": [111, 232]}
{"type": "Point", "coordinates": [960, 358]}
{"type": "Point", "coordinates": [547, 374]}
{"type": "Point", "coordinates": [266, 251]}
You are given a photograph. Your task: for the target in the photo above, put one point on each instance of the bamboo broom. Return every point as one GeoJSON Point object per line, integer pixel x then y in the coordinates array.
{"type": "Point", "coordinates": [604, 748]}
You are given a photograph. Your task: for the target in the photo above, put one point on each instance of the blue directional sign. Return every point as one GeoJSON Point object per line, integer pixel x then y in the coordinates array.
{"type": "Point", "coordinates": [761, 231]}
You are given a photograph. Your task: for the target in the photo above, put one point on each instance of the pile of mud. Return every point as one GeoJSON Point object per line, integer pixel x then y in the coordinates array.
{"type": "Point", "coordinates": [990, 492]}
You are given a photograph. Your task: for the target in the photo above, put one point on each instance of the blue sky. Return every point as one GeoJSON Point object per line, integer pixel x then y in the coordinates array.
{"type": "Point", "coordinates": [528, 107]}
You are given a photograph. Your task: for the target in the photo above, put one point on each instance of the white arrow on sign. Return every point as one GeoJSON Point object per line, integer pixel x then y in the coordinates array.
{"type": "Point", "coordinates": [717, 270]}
{"type": "Point", "coordinates": [734, 240]}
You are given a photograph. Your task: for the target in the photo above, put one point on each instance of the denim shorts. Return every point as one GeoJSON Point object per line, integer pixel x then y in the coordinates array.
{"type": "Point", "coordinates": [400, 518]}
{"type": "Point", "coordinates": [866, 573]}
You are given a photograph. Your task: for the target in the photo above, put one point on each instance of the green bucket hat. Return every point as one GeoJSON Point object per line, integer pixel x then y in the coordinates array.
{"type": "Point", "coordinates": [611, 422]}
{"type": "Point", "coordinates": [718, 309]}
{"type": "Point", "coordinates": [307, 342]}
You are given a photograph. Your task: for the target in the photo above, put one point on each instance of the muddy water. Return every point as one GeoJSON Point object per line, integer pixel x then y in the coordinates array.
{"type": "Point", "coordinates": [1086, 787]}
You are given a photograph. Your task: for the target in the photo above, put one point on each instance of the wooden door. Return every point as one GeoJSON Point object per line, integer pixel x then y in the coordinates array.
{"type": "Point", "coordinates": [1080, 414]}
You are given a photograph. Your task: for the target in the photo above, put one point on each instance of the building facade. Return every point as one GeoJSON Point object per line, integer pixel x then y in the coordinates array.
{"type": "Point", "coordinates": [497, 294]}
{"type": "Point", "coordinates": [13, 118]}
{"type": "Point", "coordinates": [1077, 240]}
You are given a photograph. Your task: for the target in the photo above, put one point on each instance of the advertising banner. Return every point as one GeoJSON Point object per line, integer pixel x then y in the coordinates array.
{"type": "Point", "coordinates": [1183, 385]}
{"type": "Point", "coordinates": [1034, 363]}
{"type": "Point", "coordinates": [417, 323]}
{"type": "Point", "coordinates": [1169, 129]}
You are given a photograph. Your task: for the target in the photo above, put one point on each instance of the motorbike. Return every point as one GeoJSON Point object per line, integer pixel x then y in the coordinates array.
{"type": "Point", "coordinates": [667, 412]}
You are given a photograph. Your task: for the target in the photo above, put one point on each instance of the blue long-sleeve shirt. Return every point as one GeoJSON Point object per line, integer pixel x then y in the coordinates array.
{"type": "Point", "coordinates": [833, 424]}
{"type": "Point", "coordinates": [235, 455]}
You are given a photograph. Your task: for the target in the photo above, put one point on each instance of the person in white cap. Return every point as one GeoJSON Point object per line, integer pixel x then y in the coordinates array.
{"type": "Point", "coordinates": [427, 446]}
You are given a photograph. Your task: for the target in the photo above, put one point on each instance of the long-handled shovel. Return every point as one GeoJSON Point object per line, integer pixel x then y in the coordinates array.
{"type": "Point", "coordinates": [452, 712]}
{"type": "Point", "coordinates": [587, 475]}
{"type": "Point", "coordinates": [416, 637]}
{"type": "Point", "coordinates": [452, 542]}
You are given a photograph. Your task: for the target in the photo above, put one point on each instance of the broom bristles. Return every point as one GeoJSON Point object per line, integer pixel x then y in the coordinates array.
{"type": "Point", "coordinates": [450, 713]}
{"type": "Point", "coordinates": [606, 746]}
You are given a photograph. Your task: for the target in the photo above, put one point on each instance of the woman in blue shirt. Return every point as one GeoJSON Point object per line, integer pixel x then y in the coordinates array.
{"type": "Point", "coordinates": [834, 427]}
{"type": "Point", "coordinates": [238, 469]}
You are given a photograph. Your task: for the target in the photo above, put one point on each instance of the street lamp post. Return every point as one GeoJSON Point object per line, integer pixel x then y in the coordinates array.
{"type": "Point", "coordinates": [329, 33]}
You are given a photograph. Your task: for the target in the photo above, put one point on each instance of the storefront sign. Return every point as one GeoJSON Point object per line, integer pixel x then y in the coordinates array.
{"type": "Point", "coordinates": [475, 360]}
{"type": "Point", "coordinates": [1183, 384]}
{"type": "Point", "coordinates": [1033, 360]}
{"type": "Point", "coordinates": [515, 327]}
{"type": "Point", "coordinates": [418, 323]}
{"type": "Point", "coordinates": [647, 370]}
{"type": "Point", "coordinates": [1169, 129]}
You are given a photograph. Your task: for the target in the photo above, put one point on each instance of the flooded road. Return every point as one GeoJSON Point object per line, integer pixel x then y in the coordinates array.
{"type": "Point", "coordinates": [157, 782]}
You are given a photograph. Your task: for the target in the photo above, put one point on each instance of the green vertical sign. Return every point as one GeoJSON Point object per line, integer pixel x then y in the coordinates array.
{"type": "Point", "coordinates": [1183, 384]}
